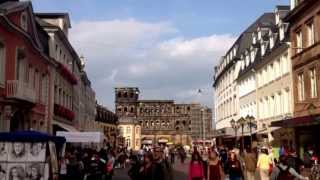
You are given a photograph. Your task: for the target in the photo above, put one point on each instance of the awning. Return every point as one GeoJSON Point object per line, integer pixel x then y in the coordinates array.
{"type": "Point", "coordinates": [266, 131]}
{"type": "Point", "coordinates": [146, 141]}
{"type": "Point", "coordinates": [297, 121]}
{"type": "Point", "coordinates": [163, 141]}
{"type": "Point", "coordinates": [66, 127]}
{"type": "Point", "coordinates": [82, 137]}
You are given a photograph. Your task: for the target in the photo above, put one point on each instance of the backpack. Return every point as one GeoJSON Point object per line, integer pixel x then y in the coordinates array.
{"type": "Point", "coordinates": [284, 174]}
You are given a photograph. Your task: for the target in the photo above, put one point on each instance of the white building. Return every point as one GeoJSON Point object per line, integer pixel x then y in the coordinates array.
{"type": "Point", "coordinates": [226, 89]}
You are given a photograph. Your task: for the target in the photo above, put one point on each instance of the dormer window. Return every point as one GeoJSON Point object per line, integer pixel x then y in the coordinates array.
{"type": "Point", "coordinates": [263, 48]}
{"type": "Point", "coordinates": [271, 41]}
{"type": "Point", "coordinates": [252, 55]}
{"type": "Point", "coordinates": [24, 21]}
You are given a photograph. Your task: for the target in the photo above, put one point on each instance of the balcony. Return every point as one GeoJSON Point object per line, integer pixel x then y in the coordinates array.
{"type": "Point", "coordinates": [21, 91]}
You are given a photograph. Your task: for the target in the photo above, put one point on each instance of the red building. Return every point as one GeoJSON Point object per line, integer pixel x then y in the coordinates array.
{"type": "Point", "coordinates": [25, 70]}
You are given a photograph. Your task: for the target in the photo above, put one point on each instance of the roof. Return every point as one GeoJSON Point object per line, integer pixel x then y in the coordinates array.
{"type": "Point", "coordinates": [282, 8]}
{"type": "Point", "coordinates": [244, 41]}
{"type": "Point", "coordinates": [12, 6]}
{"type": "Point", "coordinates": [156, 101]}
{"type": "Point", "coordinates": [55, 15]}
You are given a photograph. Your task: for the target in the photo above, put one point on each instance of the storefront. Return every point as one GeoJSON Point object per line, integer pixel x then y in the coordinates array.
{"type": "Point", "coordinates": [302, 133]}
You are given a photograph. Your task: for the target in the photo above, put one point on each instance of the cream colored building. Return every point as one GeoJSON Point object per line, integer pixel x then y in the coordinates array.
{"type": "Point", "coordinates": [274, 76]}
{"type": "Point", "coordinates": [131, 132]}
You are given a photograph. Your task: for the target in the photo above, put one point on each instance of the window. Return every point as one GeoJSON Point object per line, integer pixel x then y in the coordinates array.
{"type": "Point", "coordinates": [121, 131]}
{"type": "Point", "coordinates": [301, 94]}
{"type": "Point", "coordinates": [313, 83]}
{"type": "Point", "coordinates": [128, 130]}
{"type": "Point", "coordinates": [20, 65]}
{"type": "Point", "coordinates": [299, 41]}
{"type": "Point", "coordinates": [24, 21]}
{"type": "Point", "coordinates": [311, 35]}
{"type": "Point", "coordinates": [44, 90]}
{"type": "Point", "coordinates": [137, 130]}
{"type": "Point", "coordinates": [2, 64]}
{"type": "Point", "coordinates": [128, 142]}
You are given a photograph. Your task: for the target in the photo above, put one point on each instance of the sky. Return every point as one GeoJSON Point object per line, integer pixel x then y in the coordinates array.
{"type": "Point", "coordinates": [167, 48]}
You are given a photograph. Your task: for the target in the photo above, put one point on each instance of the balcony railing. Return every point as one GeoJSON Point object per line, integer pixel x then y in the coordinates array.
{"type": "Point", "coordinates": [20, 90]}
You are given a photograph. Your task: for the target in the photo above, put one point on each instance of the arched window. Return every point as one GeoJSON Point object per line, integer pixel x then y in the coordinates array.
{"type": "Point", "coordinates": [131, 94]}
{"type": "Point", "coordinates": [24, 21]}
{"type": "Point", "coordinates": [128, 130]}
{"type": "Point", "coordinates": [131, 109]}
{"type": "Point", "coordinates": [125, 94]}
{"type": "Point", "coordinates": [119, 94]}
{"type": "Point", "coordinates": [125, 109]}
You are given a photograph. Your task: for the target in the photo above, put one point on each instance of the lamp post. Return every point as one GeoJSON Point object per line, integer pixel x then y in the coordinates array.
{"type": "Point", "coordinates": [241, 122]}
{"type": "Point", "coordinates": [249, 119]}
{"type": "Point", "coordinates": [235, 127]}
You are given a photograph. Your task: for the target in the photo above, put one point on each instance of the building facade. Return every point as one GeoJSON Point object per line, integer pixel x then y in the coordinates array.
{"type": "Point", "coordinates": [234, 79]}
{"type": "Point", "coordinates": [74, 99]}
{"type": "Point", "coordinates": [25, 70]}
{"type": "Point", "coordinates": [107, 122]}
{"type": "Point", "coordinates": [160, 121]}
{"type": "Point", "coordinates": [304, 20]}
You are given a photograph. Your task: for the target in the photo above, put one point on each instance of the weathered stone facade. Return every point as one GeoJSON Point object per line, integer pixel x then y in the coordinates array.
{"type": "Point", "coordinates": [162, 121]}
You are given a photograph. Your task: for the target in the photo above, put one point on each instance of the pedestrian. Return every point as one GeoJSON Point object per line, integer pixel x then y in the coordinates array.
{"type": "Point", "coordinates": [109, 165]}
{"type": "Point", "coordinates": [284, 172]}
{"type": "Point", "coordinates": [264, 164]}
{"type": "Point", "coordinates": [146, 171]}
{"type": "Point", "coordinates": [162, 168]}
{"type": "Point", "coordinates": [223, 153]}
{"type": "Point", "coordinates": [135, 167]}
{"type": "Point", "coordinates": [172, 155]}
{"type": "Point", "coordinates": [196, 170]}
{"type": "Point", "coordinates": [234, 166]}
{"type": "Point", "coordinates": [250, 162]}
{"type": "Point", "coordinates": [215, 171]}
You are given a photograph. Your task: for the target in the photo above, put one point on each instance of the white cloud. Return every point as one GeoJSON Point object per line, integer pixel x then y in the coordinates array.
{"type": "Point", "coordinates": [152, 56]}
{"type": "Point", "coordinates": [198, 46]}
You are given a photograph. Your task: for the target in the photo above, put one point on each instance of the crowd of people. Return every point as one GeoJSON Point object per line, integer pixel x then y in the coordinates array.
{"type": "Point", "coordinates": [250, 164]}
{"type": "Point", "coordinates": [217, 163]}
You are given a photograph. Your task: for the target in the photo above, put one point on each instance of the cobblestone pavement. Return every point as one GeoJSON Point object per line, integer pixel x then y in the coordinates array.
{"type": "Point", "coordinates": [180, 172]}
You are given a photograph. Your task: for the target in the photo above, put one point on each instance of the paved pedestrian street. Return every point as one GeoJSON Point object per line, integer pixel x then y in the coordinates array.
{"type": "Point", "coordinates": [180, 172]}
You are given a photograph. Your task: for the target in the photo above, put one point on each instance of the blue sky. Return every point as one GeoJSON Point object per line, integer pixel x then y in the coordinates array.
{"type": "Point", "coordinates": [166, 47]}
{"type": "Point", "coordinates": [192, 17]}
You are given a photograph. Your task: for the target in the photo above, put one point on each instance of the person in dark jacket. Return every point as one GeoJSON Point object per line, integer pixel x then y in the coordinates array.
{"type": "Point", "coordinates": [135, 168]}
{"type": "Point", "coordinates": [147, 170]}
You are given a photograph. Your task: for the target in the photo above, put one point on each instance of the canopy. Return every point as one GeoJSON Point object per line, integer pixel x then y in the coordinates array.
{"type": "Point", "coordinates": [65, 126]}
{"type": "Point", "coordinates": [30, 136]}
{"type": "Point", "coordinates": [82, 137]}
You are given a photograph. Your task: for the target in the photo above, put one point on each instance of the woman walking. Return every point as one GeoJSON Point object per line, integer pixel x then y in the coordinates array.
{"type": "Point", "coordinates": [215, 171]}
{"type": "Point", "coordinates": [234, 166]}
{"type": "Point", "coordinates": [196, 171]}
{"type": "Point", "coordinates": [263, 164]}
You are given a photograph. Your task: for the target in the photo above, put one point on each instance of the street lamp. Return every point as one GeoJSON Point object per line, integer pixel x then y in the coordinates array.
{"type": "Point", "coordinates": [235, 127]}
{"type": "Point", "coordinates": [241, 122]}
{"type": "Point", "coordinates": [249, 119]}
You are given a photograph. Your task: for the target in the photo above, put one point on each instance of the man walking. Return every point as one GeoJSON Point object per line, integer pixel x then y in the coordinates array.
{"type": "Point", "coordinates": [162, 169]}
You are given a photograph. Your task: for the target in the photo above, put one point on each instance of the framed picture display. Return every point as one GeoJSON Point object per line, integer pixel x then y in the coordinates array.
{"type": "Point", "coordinates": [3, 171]}
{"type": "Point", "coordinates": [16, 171]}
{"type": "Point", "coordinates": [37, 152]}
{"type": "Point", "coordinates": [18, 151]}
{"type": "Point", "coordinates": [4, 151]}
{"type": "Point", "coordinates": [35, 171]}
